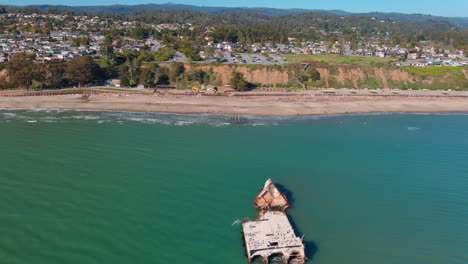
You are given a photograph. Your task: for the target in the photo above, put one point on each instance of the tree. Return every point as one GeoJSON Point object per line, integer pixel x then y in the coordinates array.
{"type": "Point", "coordinates": [83, 70]}
{"type": "Point", "coordinates": [209, 50]}
{"type": "Point", "coordinates": [22, 70]}
{"type": "Point", "coordinates": [298, 77]}
{"type": "Point", "coordinates": [107, 50]}
{"type": "Point", "coordinates": [164, 54]}
{"type": "Point", "coordinates": [131, 68]}
{"type": "Point", "coordinates": [191, 52]}
{"type": "Point", "coordinates": [313, 74]}
{"type": "Point", "coordinates": [197, 75]}
{"type": "Point", "coordinates": [139, 33]}
{"type": "Point", "coordinates": [124, 80]}
{"type": "Point", "coordinates": [175, 70]}
{"type": "Point", "coordinates": [54, 74]}
{"type": "Point", "coordinates": [238, 82]}
{"type": "Point", "coordinates": [146, 77]}
{"type": "Point", "coordinates": [161, 75]}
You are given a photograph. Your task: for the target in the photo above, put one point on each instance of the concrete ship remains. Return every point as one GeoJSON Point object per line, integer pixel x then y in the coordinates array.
{"type": "Point", "coordinates": [271, 235]}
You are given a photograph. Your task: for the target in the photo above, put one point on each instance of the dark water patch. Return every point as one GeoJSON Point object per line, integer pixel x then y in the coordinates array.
{"type": "Point", "coordinates": [311, 247]}
{"type": "Point", "coordinates": [288, 193]}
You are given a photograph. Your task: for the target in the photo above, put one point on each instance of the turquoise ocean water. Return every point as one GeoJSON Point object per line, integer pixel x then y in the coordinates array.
{"type": "Point", "coordinates": [101, 187]}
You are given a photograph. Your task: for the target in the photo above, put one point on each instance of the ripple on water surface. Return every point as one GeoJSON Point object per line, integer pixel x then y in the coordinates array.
{"type": "Point", "coordinates": [120, 187]}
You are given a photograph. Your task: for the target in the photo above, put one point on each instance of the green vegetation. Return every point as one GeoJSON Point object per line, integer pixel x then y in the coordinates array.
{"type": "Point", "coordinates": [24, 73]}
{"type": "Point", "coordinates": [164, 54]}
{"type": "Point", "coordinates": [370, 83]}
{"type": "Point", "coordinates": [443, 77]}
{"type": "Point", "coordinates": [253, 67]}
{"type": "Point", "coordinates": [421, 86]}
{"type": "Point", "coordinates": [338, 59]}
{"type": "Point", "coordinates": [249, 27]}
{"type": "Point", "coordinates": [435, 70]}
{"type": "Point", "coordinates": [238, 82]}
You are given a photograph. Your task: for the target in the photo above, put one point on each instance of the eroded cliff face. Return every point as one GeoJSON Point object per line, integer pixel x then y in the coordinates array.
{"type": "Point", "coordinates": [256, 74]}
{"type": "Point", "coordinates": [332, 76]}
{"type": "Point", "coordinates": [3, 73]}
{"type": "Point", "coordinates": [3, 78]}
{"type": "Point", "coordinates": [355, 76]}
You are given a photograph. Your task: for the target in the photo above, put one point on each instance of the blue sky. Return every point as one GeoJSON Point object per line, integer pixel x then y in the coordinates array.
{"type": "Point", "coordinates": [434, 7]}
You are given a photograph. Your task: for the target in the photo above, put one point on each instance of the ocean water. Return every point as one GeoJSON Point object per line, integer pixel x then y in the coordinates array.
{"type": "Point", "coordinates": [103, 187]}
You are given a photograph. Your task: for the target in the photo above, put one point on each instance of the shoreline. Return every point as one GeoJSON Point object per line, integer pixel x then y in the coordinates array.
{"type": "Point", "coordinates": [246, 105]}
{"type": "Point", "coordinates": [456, 112]}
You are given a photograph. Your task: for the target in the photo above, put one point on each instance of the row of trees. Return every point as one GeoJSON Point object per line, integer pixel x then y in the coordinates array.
{"type": "Point", "coordinates": [23, 72]}
{"type": "Point", "coordinates": [175, 73]}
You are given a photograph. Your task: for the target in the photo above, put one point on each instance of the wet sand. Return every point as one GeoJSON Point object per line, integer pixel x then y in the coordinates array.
{"type": "Point", "coordinates": [252, 105]}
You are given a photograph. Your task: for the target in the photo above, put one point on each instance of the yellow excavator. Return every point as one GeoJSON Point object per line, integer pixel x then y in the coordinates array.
{"type": "Point", "coordinates": [210, 90]}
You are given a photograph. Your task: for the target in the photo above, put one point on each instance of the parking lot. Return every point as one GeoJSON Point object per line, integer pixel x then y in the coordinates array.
{"type": "Point", "coordinates": [239, 58]}
{"type": "Point", "coordinates": [255, 58]}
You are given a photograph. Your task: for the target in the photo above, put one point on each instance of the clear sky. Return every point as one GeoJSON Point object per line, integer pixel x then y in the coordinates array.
{"type": "Point", "coordinates": [433, 7]}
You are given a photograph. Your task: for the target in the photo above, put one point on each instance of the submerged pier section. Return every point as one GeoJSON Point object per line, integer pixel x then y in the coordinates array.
{"type": "Point", "coordinates": [271, 235]}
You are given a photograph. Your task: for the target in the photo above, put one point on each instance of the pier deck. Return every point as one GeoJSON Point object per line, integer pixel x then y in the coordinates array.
{"type": "Point", "coordinates": [272, 234]}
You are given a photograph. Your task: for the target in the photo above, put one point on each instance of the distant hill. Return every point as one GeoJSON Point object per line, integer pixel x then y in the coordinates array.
{"type": "Point", "coordinates": [123, 9]}
{"type": "Point", "coordinates": [461, 21]}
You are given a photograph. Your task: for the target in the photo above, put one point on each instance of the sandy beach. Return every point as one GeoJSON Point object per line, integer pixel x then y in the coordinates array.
{"type": "Point", "coordinates": [252, 105]}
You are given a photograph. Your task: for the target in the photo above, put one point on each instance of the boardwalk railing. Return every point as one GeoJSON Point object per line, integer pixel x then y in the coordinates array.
{"type": "Point", "coordinates": [321, 93]}
{"type": "Point", "coordinates": [69, 92]}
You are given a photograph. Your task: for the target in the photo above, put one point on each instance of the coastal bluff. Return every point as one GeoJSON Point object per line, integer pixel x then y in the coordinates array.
{"type": "Point", "coordinates": [338, 76]}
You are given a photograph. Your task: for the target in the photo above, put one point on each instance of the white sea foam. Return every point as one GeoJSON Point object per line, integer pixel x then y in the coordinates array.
{"type": "Point", "coordinates": [239, 221]}
{"type": "Point", "coordinates": [35, 110]}
{"type": "Point", "coordinates": [48, 115]}
{"type": "Point", "coordinates": [84, 117]}
{"type": "Point", "coordinates": [9, 115]}
{"type": "Point", "coordinates": [236, 222]}
{"type": "Point", "coordinates": [183, 123]}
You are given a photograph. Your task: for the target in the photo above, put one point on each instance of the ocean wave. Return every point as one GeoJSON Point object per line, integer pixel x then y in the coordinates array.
{"type": "Point", "coordinates": [238, 222]}
{"type": "Point", "coordinates": [413, 128]}
{"type": "Point", "coordinates": [8, 115]}
{"type": "Point", "coordinates": [100, 117]}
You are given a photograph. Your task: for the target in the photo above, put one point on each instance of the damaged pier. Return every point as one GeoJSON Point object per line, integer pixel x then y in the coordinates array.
{"type": "Point", "coordinates": [271, 235]}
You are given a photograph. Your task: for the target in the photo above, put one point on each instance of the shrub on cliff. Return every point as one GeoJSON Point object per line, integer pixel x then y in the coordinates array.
{"type": "Point", "coordinates": [238, 82]}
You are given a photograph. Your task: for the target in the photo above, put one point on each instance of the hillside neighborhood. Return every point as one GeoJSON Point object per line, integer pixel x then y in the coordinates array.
{"type": "Point", "coordinates": [76, 36]}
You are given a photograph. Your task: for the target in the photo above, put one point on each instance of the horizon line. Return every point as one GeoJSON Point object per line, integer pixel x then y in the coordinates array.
{"type": "Point", "coordinates": [248, 7]}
